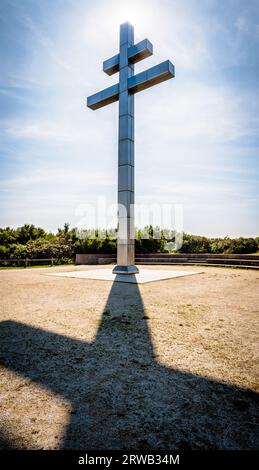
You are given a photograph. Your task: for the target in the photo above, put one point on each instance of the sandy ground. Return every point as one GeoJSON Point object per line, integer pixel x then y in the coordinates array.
{"type": "Point", "coordinates": [94, 365]}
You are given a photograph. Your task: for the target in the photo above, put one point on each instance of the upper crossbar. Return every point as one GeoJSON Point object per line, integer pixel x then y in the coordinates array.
{"type": "Point", "coordinates": [137, 52]}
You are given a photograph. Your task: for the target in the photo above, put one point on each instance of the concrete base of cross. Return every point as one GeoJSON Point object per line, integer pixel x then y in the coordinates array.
{"type": "Point", "coordinates": [125, 270]}
{"type": "Point", "coordinates": [145, 275]}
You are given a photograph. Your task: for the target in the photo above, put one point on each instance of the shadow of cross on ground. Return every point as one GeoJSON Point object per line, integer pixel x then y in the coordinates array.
{"type": "Point", "coordinates": [121, 397]}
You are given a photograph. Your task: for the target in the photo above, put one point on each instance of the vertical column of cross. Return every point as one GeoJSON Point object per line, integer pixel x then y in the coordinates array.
{"type": "Point", "coordinates": [126, 229]}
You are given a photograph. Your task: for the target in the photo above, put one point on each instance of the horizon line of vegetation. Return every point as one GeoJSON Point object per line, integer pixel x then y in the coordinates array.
{"type": "Point", "coordinates": [33, 242]}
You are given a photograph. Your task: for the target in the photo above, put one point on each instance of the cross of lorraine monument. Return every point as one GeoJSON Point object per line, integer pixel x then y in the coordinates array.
{"type": "Point", "coordinates": [124, 91]}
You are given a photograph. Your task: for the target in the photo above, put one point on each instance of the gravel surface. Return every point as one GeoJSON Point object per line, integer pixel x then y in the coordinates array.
{"type": "Point", "coordinates": [90, 364]}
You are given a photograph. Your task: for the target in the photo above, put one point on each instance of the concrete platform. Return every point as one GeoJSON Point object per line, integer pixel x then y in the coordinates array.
{"type": "Point", "coordinates": [145, 275]}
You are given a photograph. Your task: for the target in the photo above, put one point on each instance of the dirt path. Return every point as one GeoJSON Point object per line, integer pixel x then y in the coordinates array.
{"type": "Point", "coordinates": [88, 364]}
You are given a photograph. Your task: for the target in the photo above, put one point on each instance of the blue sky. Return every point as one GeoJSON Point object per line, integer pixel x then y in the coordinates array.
{"type": "Point", "coordinates": [197, 136]}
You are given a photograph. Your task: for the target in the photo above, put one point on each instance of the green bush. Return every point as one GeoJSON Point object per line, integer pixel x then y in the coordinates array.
{"type": "Point", "coordinates": [3, 252]}
{"type": "Point", "coordinates": [195, 244]}
{"type": "Point", "coordinates": [57, 248]}
{"type": "Point", "coordinates": [95, 245]}
{"type": "Point", "coordinates": [236, 245]}
{"type": "Point", "coordinates": [17, 251]}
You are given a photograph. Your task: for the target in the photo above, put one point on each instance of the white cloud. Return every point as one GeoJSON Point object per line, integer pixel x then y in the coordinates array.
{"type": "Point", "coordinates": [41, 131]}
{"type": "Point", "coordinates": [55, 174]}
{"type": "Point", "coordinates": [199, 112]}
{"type": "Point", "coordinates": [242, 24]}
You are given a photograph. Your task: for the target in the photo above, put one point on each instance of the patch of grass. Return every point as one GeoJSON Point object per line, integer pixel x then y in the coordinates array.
{"type": "Point", "coordinates": [36, 266]}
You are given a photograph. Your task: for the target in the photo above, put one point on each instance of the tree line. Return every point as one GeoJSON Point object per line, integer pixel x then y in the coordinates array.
{"type": "Point", "coordinates": [33, 242]}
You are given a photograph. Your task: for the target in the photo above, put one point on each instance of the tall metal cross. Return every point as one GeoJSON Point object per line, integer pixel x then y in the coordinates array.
{"type": "Point", "coordinates": [124, 91]}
